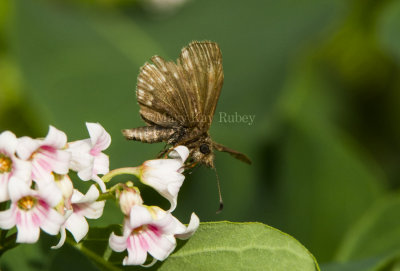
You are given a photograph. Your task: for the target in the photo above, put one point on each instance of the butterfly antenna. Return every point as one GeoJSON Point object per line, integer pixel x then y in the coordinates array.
{"type": "Point", "coordinates": [221, 202]}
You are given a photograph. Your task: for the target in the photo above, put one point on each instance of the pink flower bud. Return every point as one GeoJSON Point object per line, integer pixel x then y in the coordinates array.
{"type": "Point", "coordinates": [128, 198]}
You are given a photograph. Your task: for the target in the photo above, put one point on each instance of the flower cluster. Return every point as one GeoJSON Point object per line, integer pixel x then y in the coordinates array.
{"type": "Point", "coordinates": [36, 193]}
{"type": "Point", "coordinates": [36, 188]}
{"type": "Point", "coordinates": [149, 229]}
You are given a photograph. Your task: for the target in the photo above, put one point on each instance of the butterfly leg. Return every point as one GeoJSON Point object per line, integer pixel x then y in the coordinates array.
{"type": "Point", "coordinates": [164, 152]}
{"type": "Point", "coordinates": [190, 165]}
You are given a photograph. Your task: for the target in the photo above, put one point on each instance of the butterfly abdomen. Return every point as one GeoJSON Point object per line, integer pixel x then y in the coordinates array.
{"type": "Point", "coordinates": [149, 134]}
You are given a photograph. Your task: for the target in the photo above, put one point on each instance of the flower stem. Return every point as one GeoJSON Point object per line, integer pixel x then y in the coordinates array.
{"type": "Point", "coordinates": [120, 171]}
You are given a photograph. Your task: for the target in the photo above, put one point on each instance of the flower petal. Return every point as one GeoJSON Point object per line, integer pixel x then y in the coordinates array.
{"type": "Point", "coordinates": [94, 210]}
{"type": "Point", "coordinates": [180, 153]}
{"type": "Point", "coordinates": [164, 221]}
{"type": "Point", "coordinates": [26, 146]}
{"type": "Point", "coordinates": [78, 226]}
{"type": "Point", "coordinates": [101, 164]}
{"type": "Point", "coordinates": [139, 216]}
{"type": "Point", "coordinates": [55, 138]}
{"type": "Point", "coordinates": [117, 243]}
{"type": "Point", "coordinates": [137, 254]}
{"type": "Point", "coordinates": [167, 183]}
{"type": "Point", "coordinates": [63, 237]}
{"type": "Point", "coordinates": [4, 187]}
{"type": "Point", "coordinates": [91, 195]}
{"type": "Point", "coordinates": [51, 193]}
{"type": "Point", "coordinates": [100, 182]}
{"type": "Point", "coordinates": [191, 228]}
{"type": "Point", "coordinates": [52, 222]}
{"type": "Point", "coordinates": [86, 174]}
{"type": "Point", "coordinates": [163, 164]}
{"type": "Point", "coordinates": [101, 140]}
{"type": "Point", "coordinates": [86, 205]}
{"type": "Point", "coordinates": [7, 219]}
{"type": "Point", "coordinates": [8, 143]}
{"type": "Point", "coordinates": [18, 189]}
{"type": "Point", "coordinates": [80, 156]}
{"type": "Point", "coordinates": [22, 169]}
{"type": "Point", "coordinates": [27, 233]}
{"type": "Point", "coordinates": [56, 160]}
{"type": "Point", "coordinates": [159, 246]}
{"type": "Point", "coordinates": [28, 226]}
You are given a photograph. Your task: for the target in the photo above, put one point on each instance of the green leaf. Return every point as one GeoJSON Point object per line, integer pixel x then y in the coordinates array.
{"type": "Point", "coordinates": [373, 243]}
{"type": "Point", "coordinates": [376, 233]}
{"type": "Point", "coordinates": [217, 246]}
{"type": "Point", "coordinates": [378, 263]}
{"type": "Point", "coordinates": [240, 246]}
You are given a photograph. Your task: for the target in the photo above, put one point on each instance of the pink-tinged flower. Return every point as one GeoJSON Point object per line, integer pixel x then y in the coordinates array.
{"type": "Point", "coordinates": [128, 198]}
{"type": "Point", "coordinates": [152, 230]}
{"type": "Point", "coordinates": [87, 157]}
{"type": "Point", "coordinates": [46, 155]}
{"type": "Point", "coordinates": [81, 206]}
{"type": "Point", "coordinates": [31, 210]}
{"type": "Point", "coordinates": [10, 166]}
{"type": "Point", "coordinates": [165, 175]}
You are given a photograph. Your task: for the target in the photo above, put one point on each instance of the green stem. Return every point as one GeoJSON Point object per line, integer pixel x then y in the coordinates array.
{"type": "Point", "coordinates": [119, 171]}
{"type": "Point", "coordinates": [110, 194]}
{"type": "Point", "coordinates": [93, 256]}
{"type": "Point", "coordinates": [9, 243]}
{"type": "Point", "coordinates": [3, 234]}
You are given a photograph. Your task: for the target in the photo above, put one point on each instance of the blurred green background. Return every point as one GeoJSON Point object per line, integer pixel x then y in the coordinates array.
{"type": "Point", "coordinates": [321, 78]}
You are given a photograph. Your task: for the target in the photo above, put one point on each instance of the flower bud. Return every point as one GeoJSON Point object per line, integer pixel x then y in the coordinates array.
{"type": "Point", "coordinates": [64, 183]}
{"type": "Point", "coordinates": [128, 198]}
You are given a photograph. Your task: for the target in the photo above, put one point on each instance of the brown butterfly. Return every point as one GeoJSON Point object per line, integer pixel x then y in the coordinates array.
{"type": "Point", "coordinates": [178, 100]}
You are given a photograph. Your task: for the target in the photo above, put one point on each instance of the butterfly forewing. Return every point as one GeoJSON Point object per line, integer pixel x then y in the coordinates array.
{"type": "Point", "coordinates": [202, 64]}
{"type": "Point", "coordinates": [183, 94]}
{"type": "Point", "coordinates": [154, 96]}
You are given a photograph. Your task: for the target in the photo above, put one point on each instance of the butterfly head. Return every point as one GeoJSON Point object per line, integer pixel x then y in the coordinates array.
{"type": "Point", "coordinates": [201, 151]}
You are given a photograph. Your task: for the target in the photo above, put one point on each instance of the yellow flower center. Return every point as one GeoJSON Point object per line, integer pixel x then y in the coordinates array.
{"type": "Point", "coordinates": [5, 163]}
{"type": "Point", "coordinates": [26, 203]}
{"type": "Point", "coordinates": [139, 229]}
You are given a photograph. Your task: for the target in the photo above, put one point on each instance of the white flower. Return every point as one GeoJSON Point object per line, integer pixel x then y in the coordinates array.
{"type": "Point", "coordinates": [31, 210]}
{"type": "Point", "coordinates": [46, 155]}
{"type": "Point", "coordinates": [81, 206]}
{"type": "Point", "coordinates": [165, 175]}
{"type": "Point", "coordinates": [87, 157]}
{"type": "Point", "coordinates": [152, 230]}
{"type": "Point", "coordinates": [10, 166]}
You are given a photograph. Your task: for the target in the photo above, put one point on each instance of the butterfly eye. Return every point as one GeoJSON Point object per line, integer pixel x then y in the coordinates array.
{"type": "Point", "coordinates": [204, 149]}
